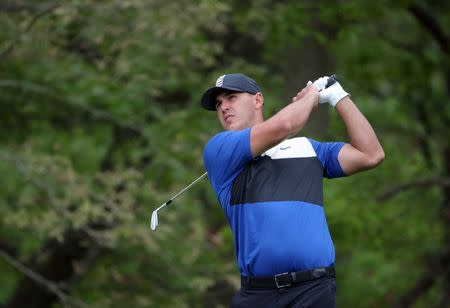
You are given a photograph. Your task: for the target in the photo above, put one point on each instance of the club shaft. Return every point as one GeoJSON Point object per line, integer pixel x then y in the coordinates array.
{"type": "Point", "coordinates": [182, 191]}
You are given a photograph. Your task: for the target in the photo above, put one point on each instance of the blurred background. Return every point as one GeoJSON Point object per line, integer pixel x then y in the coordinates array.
{"type": "Point", "coordinates": [100, 124]}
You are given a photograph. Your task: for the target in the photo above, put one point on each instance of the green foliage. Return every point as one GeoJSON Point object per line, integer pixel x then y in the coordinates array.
{"type": "Point", "coordinates": [100, 123]}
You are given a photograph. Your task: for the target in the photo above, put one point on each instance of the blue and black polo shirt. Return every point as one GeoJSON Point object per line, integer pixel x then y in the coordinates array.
{"type": "Point", "coordinates": [274, 202]}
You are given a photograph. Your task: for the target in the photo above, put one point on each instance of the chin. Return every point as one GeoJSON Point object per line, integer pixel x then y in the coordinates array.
{"type": "Point", "coordinates": [233, 126]}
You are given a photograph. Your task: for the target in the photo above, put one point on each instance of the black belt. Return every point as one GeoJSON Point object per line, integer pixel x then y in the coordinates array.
{"type": "Point", "coordinates": [285, 279]}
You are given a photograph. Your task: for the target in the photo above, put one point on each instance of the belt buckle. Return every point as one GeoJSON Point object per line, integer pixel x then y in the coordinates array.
{"type": "Point", "coordinates": [319, 272]}
{"type": "Point", "coordinates": [279, 285]}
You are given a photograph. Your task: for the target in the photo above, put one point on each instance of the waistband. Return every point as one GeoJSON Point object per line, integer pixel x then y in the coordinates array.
{"type": "Point", "coordinates": [286, 279]}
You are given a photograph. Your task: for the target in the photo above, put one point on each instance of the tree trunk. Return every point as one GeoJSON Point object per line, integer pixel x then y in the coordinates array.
{"type": "Point", "coordinates": [302, 63]}
{"type": "Point", "coordinates": [445, 302]}
{"type": "Point", "coordinates": [56, 263]}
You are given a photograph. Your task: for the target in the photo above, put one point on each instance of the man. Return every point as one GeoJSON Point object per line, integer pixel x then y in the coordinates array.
{"type": "Point", "coordinates": [270, 188]}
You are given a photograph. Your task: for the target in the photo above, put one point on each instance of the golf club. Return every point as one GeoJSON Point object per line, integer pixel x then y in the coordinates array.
{"type": "Point", "coordinates": [331, 80]}
{"type": "Point", "coordinates": [154, 219]}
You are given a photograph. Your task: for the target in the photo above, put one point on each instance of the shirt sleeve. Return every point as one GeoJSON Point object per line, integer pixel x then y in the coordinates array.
{"type": "Point", "coordinates": [225, 155]}
{"type": "Point", "coordinates": [328, 152]}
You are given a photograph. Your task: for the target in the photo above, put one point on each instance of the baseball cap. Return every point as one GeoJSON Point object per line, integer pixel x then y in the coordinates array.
{"type": "Point", "coordinates": [235, 82]}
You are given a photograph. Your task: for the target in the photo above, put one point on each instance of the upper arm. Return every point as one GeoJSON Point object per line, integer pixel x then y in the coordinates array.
{"type": "Point", "coordinates": [288, 121]}
{"type": "Point", "coordinates": [352, 160]}
{"type": "Point", "coordinates": [327, 153]}
{"type": "Point", "coordinates": [267, 134]}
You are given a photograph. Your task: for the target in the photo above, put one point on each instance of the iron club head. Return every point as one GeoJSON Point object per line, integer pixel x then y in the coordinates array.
{"type": "Point", "coordinates": [154, 220]}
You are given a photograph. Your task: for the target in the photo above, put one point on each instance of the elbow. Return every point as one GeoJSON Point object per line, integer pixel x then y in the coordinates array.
{"type": "Point", "coordinates": [288, 128]}
{"type": "Point", "coordinates": [376, 159]}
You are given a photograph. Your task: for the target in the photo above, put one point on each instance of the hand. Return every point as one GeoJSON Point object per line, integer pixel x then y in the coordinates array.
{"type": "Point", "coordinates": [319, 83]}
{"type": "Point", "coordinates": [332, 95]}
{"type": "Point", "coordinates": [308, 91]}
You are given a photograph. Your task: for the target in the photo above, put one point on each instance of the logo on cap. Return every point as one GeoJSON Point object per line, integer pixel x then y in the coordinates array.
{"type": "Point", "coordinates": [219, 81]}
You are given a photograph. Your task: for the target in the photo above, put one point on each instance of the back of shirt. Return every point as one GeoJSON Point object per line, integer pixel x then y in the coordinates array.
{"type": "Point", "coordinates": [274, 203]}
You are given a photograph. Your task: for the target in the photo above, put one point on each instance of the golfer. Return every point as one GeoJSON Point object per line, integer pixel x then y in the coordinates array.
{"type": "Point", "coordinates": [269, 184]}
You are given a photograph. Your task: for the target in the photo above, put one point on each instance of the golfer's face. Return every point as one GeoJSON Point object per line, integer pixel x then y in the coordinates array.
{"type": "Point", "coordinates": [235, 111]}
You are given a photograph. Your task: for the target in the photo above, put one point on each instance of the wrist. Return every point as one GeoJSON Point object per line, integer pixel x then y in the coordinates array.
{"type": "Point", "coordinates": [335, 94]}
{"type": "Point", "coordinates": [344, 101]}
{"type": "Point", "coordinates": [339, 100]}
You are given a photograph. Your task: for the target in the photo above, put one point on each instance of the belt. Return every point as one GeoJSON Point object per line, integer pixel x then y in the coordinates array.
{"type": "Point", "coordinates": [285, 279]}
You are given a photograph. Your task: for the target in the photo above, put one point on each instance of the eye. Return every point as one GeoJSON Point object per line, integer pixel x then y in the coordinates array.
{"type": "Point", "coordinates": [218, 103]}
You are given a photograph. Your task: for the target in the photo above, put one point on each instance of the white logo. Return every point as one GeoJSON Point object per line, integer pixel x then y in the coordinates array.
{"type": "Point", "coordinates": [219, 81]}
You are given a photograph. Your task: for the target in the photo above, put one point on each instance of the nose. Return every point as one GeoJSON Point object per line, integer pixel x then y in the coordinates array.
{"type": "Point", "coordinates": [225, 105]}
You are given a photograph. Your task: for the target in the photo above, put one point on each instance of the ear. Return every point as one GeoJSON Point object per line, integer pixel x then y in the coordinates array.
{"type": "Point", "coordinates": [259, 100]}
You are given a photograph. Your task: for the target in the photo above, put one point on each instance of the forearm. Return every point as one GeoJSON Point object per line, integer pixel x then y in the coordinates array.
{"type": "Point", "coordinates": [360, 133]}
{"type": "Point", "coordinates": [295, 115]}
{"type": "Point", "coordinates": [287, 122]}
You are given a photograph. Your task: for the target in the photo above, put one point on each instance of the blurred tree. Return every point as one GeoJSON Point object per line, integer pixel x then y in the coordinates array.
{"type": "Point", "coordinates": [100, 123]}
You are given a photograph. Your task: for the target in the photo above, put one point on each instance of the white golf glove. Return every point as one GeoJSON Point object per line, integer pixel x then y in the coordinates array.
{"type": "Point", "coordinates": [332, 95]}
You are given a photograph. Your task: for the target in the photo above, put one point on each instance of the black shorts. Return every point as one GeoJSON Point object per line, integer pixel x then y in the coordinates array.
{"type": "Point", "coordinates": [318, 293]}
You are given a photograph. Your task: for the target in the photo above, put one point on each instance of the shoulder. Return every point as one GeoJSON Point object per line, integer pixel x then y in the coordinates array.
{"type": "Point", "coordinates": [319, 147]}
{"type": "Point", "coordinates": [216, 141]}
{"type": "Point", "coordinates": [219, 136]}
{"type": "Point", "coordinates": [228, 142]}
{"type": "Point", "coordinates": [228, 134]}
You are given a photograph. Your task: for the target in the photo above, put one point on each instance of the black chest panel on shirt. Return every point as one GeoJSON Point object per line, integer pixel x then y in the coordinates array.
{"type": "Point", "coordinates": [289, 179]}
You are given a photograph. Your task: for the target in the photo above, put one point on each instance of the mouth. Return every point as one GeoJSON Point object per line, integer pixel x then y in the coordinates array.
{"type": "Point", "coordinates": [228, 117]}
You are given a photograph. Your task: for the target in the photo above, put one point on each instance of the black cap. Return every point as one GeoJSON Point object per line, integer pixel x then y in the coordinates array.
{"type": "Point", "coordinates": [234, 82]}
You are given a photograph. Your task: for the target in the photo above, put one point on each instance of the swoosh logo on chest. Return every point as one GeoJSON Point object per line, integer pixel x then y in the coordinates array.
{"type": "Point", "coordinates": [285, 148]}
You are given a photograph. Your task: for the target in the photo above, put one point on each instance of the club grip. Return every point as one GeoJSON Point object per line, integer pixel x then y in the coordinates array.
{"type": "Point", "coordinates": [332, 80]}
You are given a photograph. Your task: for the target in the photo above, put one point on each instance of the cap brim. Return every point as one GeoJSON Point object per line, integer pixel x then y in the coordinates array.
{"type": "Point", "coordinates": [209, 97]}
